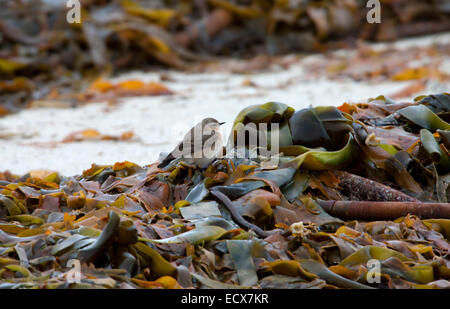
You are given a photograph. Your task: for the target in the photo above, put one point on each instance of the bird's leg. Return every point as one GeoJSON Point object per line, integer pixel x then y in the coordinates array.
{"type": "Point", "coordinates": [184, 164]}
{"type": "Point", "coordinates": [189, 167]}
{"type": "Point", "coordinates": [225, 162]}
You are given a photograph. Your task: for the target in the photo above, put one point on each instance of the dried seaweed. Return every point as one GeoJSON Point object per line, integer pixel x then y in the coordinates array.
{"type": "Point", "coordinates": [240, 224]}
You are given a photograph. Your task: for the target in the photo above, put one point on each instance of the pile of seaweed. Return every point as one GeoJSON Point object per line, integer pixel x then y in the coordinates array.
{"type": "Point", "coordinates": [43, 56]}
{"type": "Point", "coordinates": [355, 187]}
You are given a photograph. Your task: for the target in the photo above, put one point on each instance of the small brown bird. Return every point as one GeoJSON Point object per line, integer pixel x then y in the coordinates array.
{"type": "Point", "coordinates": [200, 146]}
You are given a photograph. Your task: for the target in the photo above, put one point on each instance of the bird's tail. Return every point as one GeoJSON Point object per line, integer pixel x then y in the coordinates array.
{"type": "Point", "coordinates": [166, 161]}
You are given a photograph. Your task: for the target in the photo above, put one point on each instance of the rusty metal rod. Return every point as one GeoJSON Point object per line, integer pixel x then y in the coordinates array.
{"type": "Point", "coordinates": [369, 210]}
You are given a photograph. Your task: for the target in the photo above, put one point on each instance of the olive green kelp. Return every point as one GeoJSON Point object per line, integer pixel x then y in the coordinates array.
{"type": "Point", "coordinates": [326, 137]}
{"type": "Point", "coordinates": [318, 138]}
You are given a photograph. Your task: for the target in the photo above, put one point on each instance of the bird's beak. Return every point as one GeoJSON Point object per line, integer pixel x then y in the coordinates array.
{"type": "Point", "coordinates": [221, 123]}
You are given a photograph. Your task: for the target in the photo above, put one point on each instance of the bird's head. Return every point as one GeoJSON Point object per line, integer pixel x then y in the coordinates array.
{"type": "Point", "coordinates": [211, 124]}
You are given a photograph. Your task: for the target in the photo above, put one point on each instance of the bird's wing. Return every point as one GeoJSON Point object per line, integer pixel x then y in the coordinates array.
{"type": "Point", "coordinates": [192, 146]}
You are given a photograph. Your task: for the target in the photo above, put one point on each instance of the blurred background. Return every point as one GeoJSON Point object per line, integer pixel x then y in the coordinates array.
{"type": "Point", "coordinates": [128, 80]}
